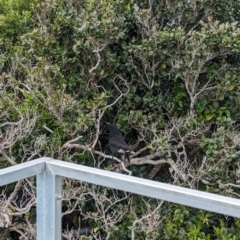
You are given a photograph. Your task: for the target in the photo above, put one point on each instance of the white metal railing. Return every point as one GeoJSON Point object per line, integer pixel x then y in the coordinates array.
{"type": "Point", "coordinates": [49, 206]}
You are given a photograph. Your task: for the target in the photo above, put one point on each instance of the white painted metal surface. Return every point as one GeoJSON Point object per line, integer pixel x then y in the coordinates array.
{"type": "Point", "coordinates": [21, 171]}
{"type": "Point", "coordinates": [185, 196]}
{"type": "Point", "coordinates": [49, 173]}
{"type": "Point", "coordinates": [49, 205]}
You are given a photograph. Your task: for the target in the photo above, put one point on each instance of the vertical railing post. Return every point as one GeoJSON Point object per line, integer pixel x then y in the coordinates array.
{"type": "Point", "coordinates": [49, 206]}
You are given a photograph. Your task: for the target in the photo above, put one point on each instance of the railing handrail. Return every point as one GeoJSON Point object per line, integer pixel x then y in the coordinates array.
{"type": "Point", "coordinates": [49, 173]}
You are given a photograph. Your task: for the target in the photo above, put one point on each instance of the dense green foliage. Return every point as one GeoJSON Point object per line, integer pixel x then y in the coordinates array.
{"type": "Point", "coordinates": [166, 72]}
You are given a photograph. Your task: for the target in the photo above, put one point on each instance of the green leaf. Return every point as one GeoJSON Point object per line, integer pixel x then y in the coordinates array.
{"type": "Point", "coordinates": [210, 116]}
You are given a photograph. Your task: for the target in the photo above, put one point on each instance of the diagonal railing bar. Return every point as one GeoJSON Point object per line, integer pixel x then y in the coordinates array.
{"type": "Point", "coordinates": [49, 173]}
{"type": "Point", "coordinates": [185, 196]}
{"type": "Point", "coordinates": [22, 170]}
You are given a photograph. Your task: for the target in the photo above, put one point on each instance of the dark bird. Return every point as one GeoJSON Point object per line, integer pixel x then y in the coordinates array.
{"type": "Point", "coordinates": [117, 143]}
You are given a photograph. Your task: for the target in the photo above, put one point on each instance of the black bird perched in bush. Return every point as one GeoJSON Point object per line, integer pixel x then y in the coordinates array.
{"type": "Point", "coordinates": [117, 143]}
